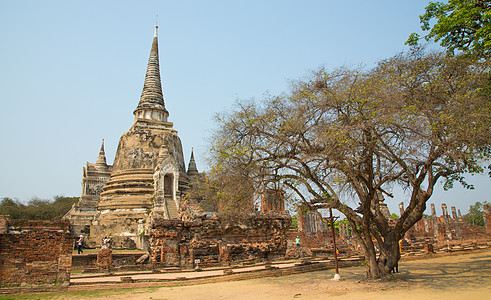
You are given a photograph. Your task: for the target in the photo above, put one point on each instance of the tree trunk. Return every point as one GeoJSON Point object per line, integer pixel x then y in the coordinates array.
{"type": "Point", "coordinates": [388, 258]}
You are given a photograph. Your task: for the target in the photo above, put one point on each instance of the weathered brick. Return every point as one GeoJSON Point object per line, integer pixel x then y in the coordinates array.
{"type": "Point", "coordinates": [219, 240]}
{"type": "Point", "coordinates": [35, 252]}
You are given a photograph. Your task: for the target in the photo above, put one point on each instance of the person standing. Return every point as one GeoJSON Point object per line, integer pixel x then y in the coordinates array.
{"type": "Point", "coordinates": [80, 242]}
{"type": "Point", "coordinates": [396, 267]}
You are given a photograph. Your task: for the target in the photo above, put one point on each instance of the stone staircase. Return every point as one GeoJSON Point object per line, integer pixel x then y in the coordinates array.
{"type": "Point", "coordinates": [171, 207]}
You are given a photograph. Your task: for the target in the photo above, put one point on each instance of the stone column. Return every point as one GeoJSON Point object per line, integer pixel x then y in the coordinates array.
{"type": "Point", "coordinates": [446, 223]}
{"type": "Point", "coordinates": [444, 210]}
{"type": "Point", "coordinates": [401, 208]}
{"type": "Point", "coordinates": [460, 216]}
{"type": "Point", "coordinates": [301, 220]}
{"type": "Point", "coordinates": [434, 221]}
{"type": "Point", "coordinates": [456, 223]}
{"type": "Point", "coordinates": [454, 212]}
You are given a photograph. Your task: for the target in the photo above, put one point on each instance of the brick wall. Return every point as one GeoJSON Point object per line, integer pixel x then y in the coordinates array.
{"type": "Point", "coordinates": [35, 252]}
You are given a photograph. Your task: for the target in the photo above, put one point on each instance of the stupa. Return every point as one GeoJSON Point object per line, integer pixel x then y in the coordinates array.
{"type": "Point", "coordinates": [148, 175]}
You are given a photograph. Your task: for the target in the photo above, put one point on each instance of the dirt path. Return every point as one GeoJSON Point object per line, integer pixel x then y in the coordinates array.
{"type": "Point", "coordinates": [466, 276]}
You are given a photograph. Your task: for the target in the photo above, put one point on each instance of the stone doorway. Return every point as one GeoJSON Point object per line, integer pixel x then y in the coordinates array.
{"type": "Point", "coordinates": [169, 185]}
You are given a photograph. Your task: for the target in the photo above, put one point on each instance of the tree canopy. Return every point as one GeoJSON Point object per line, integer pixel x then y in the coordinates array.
{"type": "Point", "coordinates": [341, 138]}
{"type": "Point", "coordinates": [37, 209]}
{"type": "Point", "coordinates": [463, 25]}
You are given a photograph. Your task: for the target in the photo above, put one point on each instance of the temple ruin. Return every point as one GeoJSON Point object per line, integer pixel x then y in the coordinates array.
{"type": "Point", "coordinates": [138, 201]}
{"type": "Point", "coordinates": [146, 180]}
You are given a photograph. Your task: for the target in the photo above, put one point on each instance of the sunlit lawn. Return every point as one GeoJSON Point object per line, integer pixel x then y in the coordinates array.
{"type": "Point", "coordinates": [95, 250]}
{"type": "Point", "coordinates": [79, 294]}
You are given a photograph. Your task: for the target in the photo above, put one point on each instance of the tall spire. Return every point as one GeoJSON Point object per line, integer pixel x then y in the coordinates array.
{"type": "Point", "coordinates": [101, 159]}
{"type": "Point", "coordinates": [152, 99]}
{"type": "Point", "coordinates": [192, 169]}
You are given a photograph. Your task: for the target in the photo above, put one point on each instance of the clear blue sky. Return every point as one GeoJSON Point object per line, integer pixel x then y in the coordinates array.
{"type": "Point", "coordinates": [71, 73]}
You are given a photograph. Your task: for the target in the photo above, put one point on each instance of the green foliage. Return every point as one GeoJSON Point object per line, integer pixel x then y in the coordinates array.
{"type": "Point", "coordinates": [294, 221]}
{"type": "Point", "coordinates": [11, 207]}
{"type": "Point", "coordinates": [37, 209]}
{"type": "Point", "coordinates": [475, 216]}
{"type": "Point", "coordinates": [463, 25]}
{"type": "Point", "coordinates": [394, 216]}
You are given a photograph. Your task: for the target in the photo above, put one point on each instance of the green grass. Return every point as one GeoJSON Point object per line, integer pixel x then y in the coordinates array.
{"type": "Point", "coordinates": [81, 294]}
{"type": "Point", "coordinates": [94, 251]}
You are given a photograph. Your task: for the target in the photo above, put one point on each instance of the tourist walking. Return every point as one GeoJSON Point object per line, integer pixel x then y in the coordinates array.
{"type": "Point", "coordinates": [80, 242]}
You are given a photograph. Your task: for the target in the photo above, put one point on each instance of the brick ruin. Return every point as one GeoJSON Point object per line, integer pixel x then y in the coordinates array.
{"type": "Point", "coordinates": [222, 239]}
{"type": "Point", "coordinates": [313, 229]}
{"type": "Point", "coordinates": [40, 252]}
{"type": "Point", "coordinates": [316, 236]}
{"type": "Point", "coordinates": [34, 252]}
{"type": "Point", "coordinates": [314, 233]}
{"type": "Point", "coordinates": [198, 239]}
{"type": "Point", "coordinates": [445, 227]}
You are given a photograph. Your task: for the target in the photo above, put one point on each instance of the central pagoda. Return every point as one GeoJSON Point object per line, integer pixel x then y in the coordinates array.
{"type": "Point", "coordinates": [148, 174]}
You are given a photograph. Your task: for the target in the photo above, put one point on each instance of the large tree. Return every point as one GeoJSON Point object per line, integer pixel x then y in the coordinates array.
{"type": "Point", "coordinates": [340, 138]}
{"type": "Point", "coordinates": [463, 25]}
{"type": "Point", "coordinates": [475, 215]}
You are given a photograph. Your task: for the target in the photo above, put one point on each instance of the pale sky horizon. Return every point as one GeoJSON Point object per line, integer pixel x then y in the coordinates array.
{"type": "Point", "coordinates": [71, 74]}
